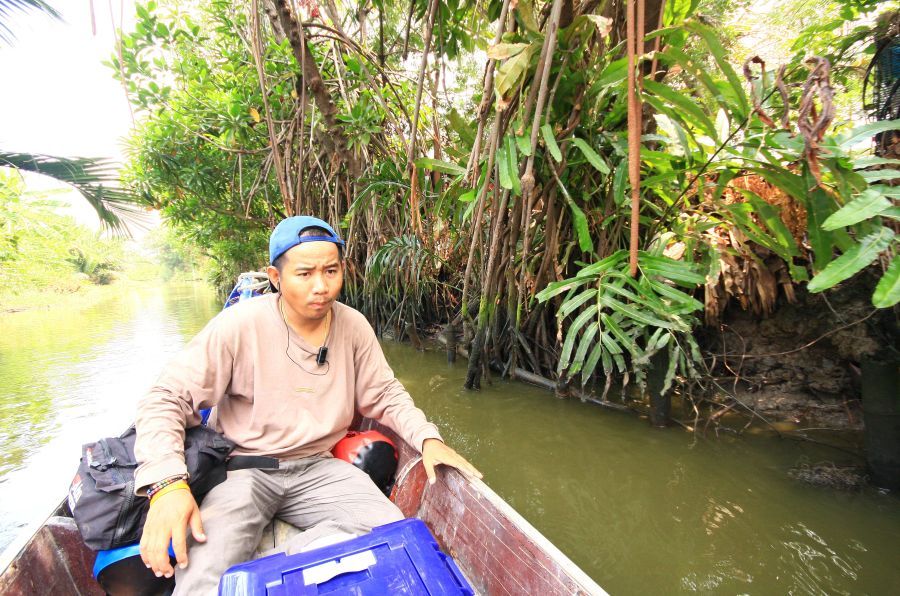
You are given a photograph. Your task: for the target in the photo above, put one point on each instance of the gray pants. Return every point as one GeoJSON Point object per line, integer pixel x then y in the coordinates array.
{"type": "Point", "coordinates": [320, 495]}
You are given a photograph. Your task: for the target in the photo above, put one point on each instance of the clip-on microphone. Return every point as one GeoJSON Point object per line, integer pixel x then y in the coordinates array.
{"type": "Point", "coordinates": [322, 355]}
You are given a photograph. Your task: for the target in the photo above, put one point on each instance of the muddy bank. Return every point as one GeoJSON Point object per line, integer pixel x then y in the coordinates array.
{"type": "Point", "coordinates": [801, 365]}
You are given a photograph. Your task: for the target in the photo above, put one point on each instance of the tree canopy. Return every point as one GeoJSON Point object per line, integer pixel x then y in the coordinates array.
{"type": "Point", "coordinates": [475, 155]}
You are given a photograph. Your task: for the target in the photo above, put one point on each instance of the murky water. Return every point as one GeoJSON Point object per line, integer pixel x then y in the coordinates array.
{"type": "Point", "coordinates": [641, 511]}
{"type": "Point", "coordinates": [70, 376]}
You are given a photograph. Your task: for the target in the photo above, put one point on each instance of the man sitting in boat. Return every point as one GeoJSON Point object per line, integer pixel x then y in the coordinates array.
{"type": "Point", "coordinates": [286, 373]}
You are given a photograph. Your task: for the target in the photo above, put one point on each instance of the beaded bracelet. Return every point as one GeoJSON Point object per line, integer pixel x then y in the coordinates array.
{"type": "Point", "coordinates": [177, 485]}
{"type": "Point", "coordinates": [155, 488]}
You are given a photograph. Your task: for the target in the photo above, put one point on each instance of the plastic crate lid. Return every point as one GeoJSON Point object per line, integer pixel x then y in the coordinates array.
{"type": "Point", "coordinates": [398, 558]}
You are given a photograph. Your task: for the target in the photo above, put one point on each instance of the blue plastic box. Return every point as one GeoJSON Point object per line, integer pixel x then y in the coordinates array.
{"type": "Point", "coordinates": [397, 558]}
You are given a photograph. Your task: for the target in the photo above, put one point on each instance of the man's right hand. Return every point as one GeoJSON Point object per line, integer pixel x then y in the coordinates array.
{"type": "Point", "coordinates": [168, 519]}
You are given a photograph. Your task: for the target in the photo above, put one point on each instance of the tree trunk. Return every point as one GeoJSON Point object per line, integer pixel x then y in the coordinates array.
{"type": "Point", "coordinates": [314, 82]}
{"type": "Point", "coordinates": [881, 411]}
{"type": "Point", "coordinates": [660, 403]}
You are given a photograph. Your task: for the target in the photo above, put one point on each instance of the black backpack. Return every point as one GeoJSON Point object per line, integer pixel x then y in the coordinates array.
{"type": "Point", "coordinates": [102, 499]}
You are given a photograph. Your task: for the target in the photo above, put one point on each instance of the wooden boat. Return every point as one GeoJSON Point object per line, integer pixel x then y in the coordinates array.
{"type": "Point", "coordinates": [497, 550]}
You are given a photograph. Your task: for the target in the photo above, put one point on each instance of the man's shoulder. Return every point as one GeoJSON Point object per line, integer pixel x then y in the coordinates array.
{"type": "Point", "coordinates": [355, 322]}
{"type": "Point", "coordinates": [255, 309]}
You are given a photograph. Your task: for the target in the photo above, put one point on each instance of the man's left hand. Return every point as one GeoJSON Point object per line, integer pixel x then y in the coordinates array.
{"type": "Point", "coordinates": [435, 452]}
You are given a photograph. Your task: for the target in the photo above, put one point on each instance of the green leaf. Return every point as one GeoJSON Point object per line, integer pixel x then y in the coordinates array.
{"type": "Point", "coordinates": [671, 269]}
{"type": "Point", "coordinates": [580, 223]}
{"type": "Point", "coordinates": [512, 163]}
{"type": "Point", "coordinates": [587, 340]}
{"type": "Point", "coordinates": [550, 141]}
{"type": "Point", "coordinates": [446, 167]}
{"type": "Point", "coordinates": [868, 204]}
{"type": "Point", "coordinates": [866, 131]}
{"type": "Point", "coordinates": [462, 128]}
{"type": "Point", "coordinates": [525, 12]}
{"type": "Point", "coordinates": [602, 265]}
{"type": "Point", "coordinates": [524, 145]}
{"type": "Point", "coordinates": [875, 175]}
{"type": "Point", "coordinates": [620, 179]}
{"type": "Point", "coordinates": [503, 167]}
{"type": "Point", "coordinates": [615, 72]}
{"type": "Point", "coordinates": [718, 52]}
{"type": "Point", "coordinates": [504, 51]}
{"type": "Point", "coordinates": [688, 302]}
{"type": "Point", "coordinates": [512, 71]}
{"type": "Point", "coordinates": [467, 197]}
{"type": "Point", "coordinates": [572, 332]}
{"type": "Point", "coordinates": [887, 292]}
{"type": "Point", "coordinates": [591, 363]}
{"type": "Point", "coordinates": [821, 205]}
{"type": "Point", "coordinates": [558, 287]}
{"type": "Point", "coordinates": [852, 261]}
{"type": "Point", "coordinates": [571, 304]}
{"type": "Point", "coordinates": [633, 313]}
{"type": "Point", "coordinates": [591, 155]}
{"type": "Point", "coordinates": [624, 339]}
{"type": "Point", "coordinates": [888, 191]}
{"type": "Point", "coordinates": [866, 162]}
{"type": "Point", "coordinates": [741, 212]}
{"type": "Point", "coordinates": [684, 105]}
{"type": "Point", "coordinates": [697, 69]}
{"type": "Point", "coordinates": [770, 216]}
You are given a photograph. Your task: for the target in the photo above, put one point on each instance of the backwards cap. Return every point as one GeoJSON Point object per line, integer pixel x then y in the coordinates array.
{"type": "Point", "coordinates": [286, 235]}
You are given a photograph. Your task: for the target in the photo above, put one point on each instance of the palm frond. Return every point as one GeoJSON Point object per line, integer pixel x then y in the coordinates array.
{"type": "Point", "coordinates": [96, 179]}
{"type": "Point", "coordinates": [9, 7]}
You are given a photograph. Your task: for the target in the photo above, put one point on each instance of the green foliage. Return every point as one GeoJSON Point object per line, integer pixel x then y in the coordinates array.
{"type": "Point", "coordinates": [43, 250]}
{"type": "Point", "coordinates": [176, 255]}
{"type": "Point", "coordinates": [513, 221]}
{"type": "Point", "coordinates": [616, 316]}
{"type": "Point", "coordinates": [96, 179]}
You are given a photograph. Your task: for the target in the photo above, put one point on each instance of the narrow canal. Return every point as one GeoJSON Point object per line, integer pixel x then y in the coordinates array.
{"type": "Point", "coordinates": [641, 511]}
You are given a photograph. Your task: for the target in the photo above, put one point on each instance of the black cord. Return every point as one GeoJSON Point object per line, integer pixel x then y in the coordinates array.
{"type": "Point", "coordinates": [300, 366]}
{"type": "Point", "coordinates": [287, 348]}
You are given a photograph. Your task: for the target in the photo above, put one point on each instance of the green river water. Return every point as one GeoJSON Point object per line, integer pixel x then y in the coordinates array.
{"type": "Point", "coordinates": [641, 511]}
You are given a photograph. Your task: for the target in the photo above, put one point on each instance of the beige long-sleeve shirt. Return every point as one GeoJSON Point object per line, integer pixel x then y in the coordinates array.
{"type": "Point", "coordinates": [271, 396]}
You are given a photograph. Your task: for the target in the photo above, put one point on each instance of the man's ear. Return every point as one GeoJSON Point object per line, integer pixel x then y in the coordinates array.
{"type": "Point", "coordinates": [274, 277]}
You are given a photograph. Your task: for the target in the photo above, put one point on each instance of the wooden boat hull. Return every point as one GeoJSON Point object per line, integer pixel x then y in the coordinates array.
{"type": "Point", "coordinates": [498, 550]}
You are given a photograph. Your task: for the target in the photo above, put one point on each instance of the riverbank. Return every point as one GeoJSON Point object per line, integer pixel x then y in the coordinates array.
{"type": "Point", "coordinates": [73, 294]}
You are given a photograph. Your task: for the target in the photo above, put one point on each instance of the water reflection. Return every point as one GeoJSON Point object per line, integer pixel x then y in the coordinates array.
{"type": "Point", "coordinates": [645, 511]}
{"type": "Point", "coordinates": [72, 376]}
{"type": "Point", "coordinates": [641, 511]}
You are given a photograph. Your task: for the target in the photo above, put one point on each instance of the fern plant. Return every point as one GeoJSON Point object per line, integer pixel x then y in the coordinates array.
{"type": "Point", "coordinates": [619, 322]}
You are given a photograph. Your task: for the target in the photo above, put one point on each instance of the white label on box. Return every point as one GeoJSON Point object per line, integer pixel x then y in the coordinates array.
{"type": "Point", "coordinates": [327, 571]}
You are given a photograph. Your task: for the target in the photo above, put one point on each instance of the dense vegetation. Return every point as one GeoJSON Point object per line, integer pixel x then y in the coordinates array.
{"type": "Point", "coordinates": [476, 157]}
{"type": "Point", "coordinates": [46, 255]}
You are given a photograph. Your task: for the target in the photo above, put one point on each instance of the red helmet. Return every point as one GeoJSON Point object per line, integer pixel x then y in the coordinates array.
{"type": "Point", "coordinates": [371, 452]}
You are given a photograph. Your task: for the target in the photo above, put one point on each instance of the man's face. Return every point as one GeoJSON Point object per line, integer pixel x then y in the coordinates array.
{"type": "Point", "coordinates": [310, 279]}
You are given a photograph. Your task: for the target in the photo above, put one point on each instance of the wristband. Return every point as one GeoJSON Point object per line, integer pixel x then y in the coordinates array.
{"type": "Point", "coordinates": [179, 485]}
{"type": "Point", "coordinates": [155, 488]}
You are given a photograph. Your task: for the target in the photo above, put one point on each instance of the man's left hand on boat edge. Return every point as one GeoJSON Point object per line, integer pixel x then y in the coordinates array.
{"type": "Point", "coordinates": [435, 452]}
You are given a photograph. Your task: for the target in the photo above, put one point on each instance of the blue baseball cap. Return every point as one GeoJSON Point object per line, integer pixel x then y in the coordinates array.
{"type": "Point", "coordinates": [286, 235]}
